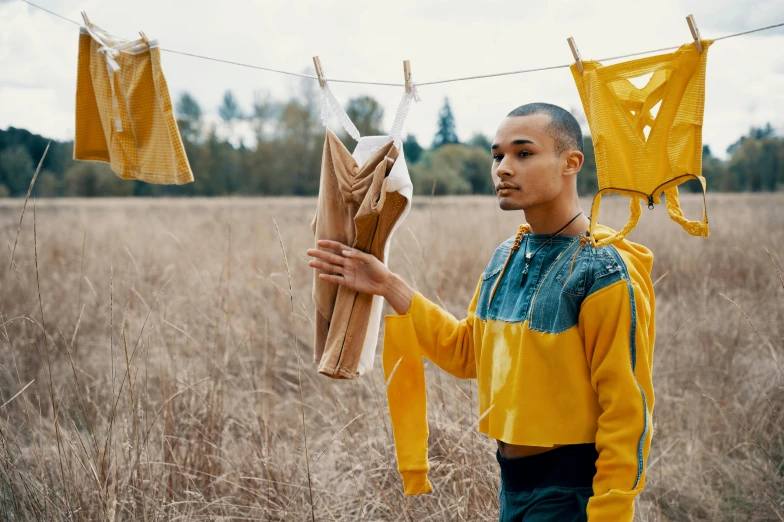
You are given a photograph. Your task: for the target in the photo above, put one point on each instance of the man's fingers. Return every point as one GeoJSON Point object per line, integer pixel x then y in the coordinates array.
{"type": "Point", "coordinates": [357, 254]}
{"type": "Point", "coordinates": [326, 256]}
{"type": "Point", "coordinates": [335, 246]}
{"type": "Point", "coordinates": [321, 265]}
{"type": "Point", "coordinates": [342, 249]}
{"type": "Point", "coordinates": [338, 279]}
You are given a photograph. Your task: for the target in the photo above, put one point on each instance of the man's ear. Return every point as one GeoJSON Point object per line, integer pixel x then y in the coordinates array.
{"type": "Point", "coordinates": [574, 162]}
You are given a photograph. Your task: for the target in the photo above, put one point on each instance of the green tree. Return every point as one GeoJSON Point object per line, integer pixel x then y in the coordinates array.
{"type": "Point", "coordinates": [230, 108]}
{"type": "Point", "coordinates": [58, 159]}
{"type": "Point", "coordinates": [367, 115]}
{"type": "Point", "coordinates": [81, 180]}
{"type": "Point", "coordinates": [481, 141]}
{"type": "Point", "coordinates": [757, 165]}
{"type": "Point", "coordinates": [220, 167]}
{"type": "Point", "coordinates": [264, 110]}
{"type": "Point", "coordinates": [475, 169]}
{"type": "Point", "coordinates": [230, 111]}
{"type": "Point", "coordinates": [715, 173]}
{"type": "Point", "coordinates": [755, 133]}
{"type": "Point", "coordinates": [47, 185]}
{"type": "Point", "coordinates": [446, 133]}
{"type": "Point", "coordinates": [412, 149]}
{"type": "Point", "coordinates": [189, 117]}
{"type": "Point", "coordinates": [771, 163]}
{"type": "Point", "coordinates": [587, 181]}
{"type": "Point", "coordinates": [91, 179]}
{"type": "Point", "coordinates": [455, 169]}
{"type": "Point", "coordinates": [16, 169]}
{"type": "Point", "coordinates": [296, 167]}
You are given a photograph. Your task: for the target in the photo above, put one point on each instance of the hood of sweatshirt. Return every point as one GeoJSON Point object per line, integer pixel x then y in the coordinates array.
{"type": "Point", "coordinates": [638, 257]}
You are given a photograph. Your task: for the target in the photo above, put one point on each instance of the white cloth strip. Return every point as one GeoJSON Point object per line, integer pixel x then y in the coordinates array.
{"type": "Point", "coordinates": [402, 111]}
{"type": "Point", "coordinates": [132, 47]}
{"type": "Point", "coordinates": [330, 105]}
{"type": "Point", "coordinates": [109, 53]}
{"type": "Point", "coordinates": [111, 47]}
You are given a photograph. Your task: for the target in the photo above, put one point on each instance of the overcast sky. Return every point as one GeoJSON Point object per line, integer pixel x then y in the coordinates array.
{"type": "Point", "coordinates": [369, 40]}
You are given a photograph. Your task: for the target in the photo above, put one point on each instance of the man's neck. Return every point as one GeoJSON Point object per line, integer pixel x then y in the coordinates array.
{"type": "Point", "coordinates": [550, 220]}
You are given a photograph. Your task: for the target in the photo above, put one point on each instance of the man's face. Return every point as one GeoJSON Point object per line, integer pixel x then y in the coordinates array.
{"type": "Point", "coordinates": [526, 171]}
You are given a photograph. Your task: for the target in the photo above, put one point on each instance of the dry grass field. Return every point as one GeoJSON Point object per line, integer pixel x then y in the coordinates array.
{"type": "Point", "coordinates": [154, 365]}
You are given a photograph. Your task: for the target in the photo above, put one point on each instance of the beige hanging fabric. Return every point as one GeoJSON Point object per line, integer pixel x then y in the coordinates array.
{"type": "Point", "coordinates": [124, 112]}
{"type": "Point", "coordinates": [628, 161]}
{"type": "Point", "coordinates": [363, 198]}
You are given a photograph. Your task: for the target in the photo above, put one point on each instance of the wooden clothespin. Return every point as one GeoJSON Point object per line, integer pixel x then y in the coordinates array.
{"type": "Point", "coordinates": [695, 32]}
{"type": "Point", "coordinates": [144, 38]}
{"type": "Point", "coordinates": [407, 74]}
{"type": "Point", "coordinates": [84, 17]}
{"type": "Point", "coordinates": [575, 53]}
{"type": "Point", "coordinates": [319, 71]}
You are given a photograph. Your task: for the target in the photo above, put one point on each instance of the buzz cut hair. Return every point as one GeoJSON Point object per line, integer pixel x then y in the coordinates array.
{"type": "Point", "coordinates": [563, 127]}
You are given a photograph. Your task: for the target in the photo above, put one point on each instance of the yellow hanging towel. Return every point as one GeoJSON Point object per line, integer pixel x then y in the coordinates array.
{"type": "Point", "coordinates": [123, 110]}
{"type": "Point", "coordinates": [630, 161]}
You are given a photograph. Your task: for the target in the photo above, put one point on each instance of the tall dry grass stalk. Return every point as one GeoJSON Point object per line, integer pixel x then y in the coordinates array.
{"type": "Point", "coordinates": [299, 379]}
{"type": "Point", "coordinates": [201, 409]}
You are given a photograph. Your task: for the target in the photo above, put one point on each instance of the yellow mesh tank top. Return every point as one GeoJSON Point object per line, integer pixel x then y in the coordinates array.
{"type": "Point", "coordinates": [640, 164]}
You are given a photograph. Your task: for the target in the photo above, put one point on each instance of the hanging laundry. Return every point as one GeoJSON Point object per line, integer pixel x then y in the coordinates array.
{"type": "Point", "coordinates": [363, 198]}
{"type": "Point", "coordinates": [640, 153]}
{"type": "Point", "coordinates": [124, 113]}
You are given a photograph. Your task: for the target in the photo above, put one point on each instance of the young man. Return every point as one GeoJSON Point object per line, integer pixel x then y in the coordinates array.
{"type": "Point", "coordinates": [559, 334]}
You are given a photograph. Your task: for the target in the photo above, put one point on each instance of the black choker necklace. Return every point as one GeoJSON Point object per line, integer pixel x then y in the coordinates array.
{"type": "Point", "coordinates": [530, 255]}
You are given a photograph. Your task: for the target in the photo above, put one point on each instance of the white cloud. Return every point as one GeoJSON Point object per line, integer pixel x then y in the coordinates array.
{"type": "Point", "coordinates": [369, 40]}
{"type": "Point", "coordinates": [733, 16]}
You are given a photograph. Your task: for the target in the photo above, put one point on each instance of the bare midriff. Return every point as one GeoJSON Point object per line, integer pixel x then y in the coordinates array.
{"type": "Point", "coordinates": [513, 451]}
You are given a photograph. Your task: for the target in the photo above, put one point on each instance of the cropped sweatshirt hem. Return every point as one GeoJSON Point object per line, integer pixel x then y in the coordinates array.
{"type": "Point", "coordinates": [416, 482]}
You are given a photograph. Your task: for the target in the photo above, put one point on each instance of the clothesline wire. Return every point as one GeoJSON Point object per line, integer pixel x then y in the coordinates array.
{"type": "Point", "coordinates": [419, 84]}
{"type": "Point", "coordinates": [51, 12]}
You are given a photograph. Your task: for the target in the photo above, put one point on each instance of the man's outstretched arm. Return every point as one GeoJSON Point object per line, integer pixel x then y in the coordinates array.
{"type": "Point", "coordinates": [421, 328]}
{"type": "Point", "coordinates": [420, 323]}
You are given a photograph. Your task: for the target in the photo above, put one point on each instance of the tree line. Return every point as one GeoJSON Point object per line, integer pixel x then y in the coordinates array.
{"type": "Point", "coordinates": [283, 155]}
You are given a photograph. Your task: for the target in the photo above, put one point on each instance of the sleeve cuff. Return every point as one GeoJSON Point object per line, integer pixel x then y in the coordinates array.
{"type": "Point", "coordinates": [615, 505]}
{"type": "Point", "coordinates": [416, 482]}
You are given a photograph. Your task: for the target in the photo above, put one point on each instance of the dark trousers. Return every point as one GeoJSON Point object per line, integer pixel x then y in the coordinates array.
{"type": "Point", "coordinates": [550, 486]}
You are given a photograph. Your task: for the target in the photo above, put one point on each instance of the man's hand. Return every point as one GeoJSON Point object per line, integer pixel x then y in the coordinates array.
{"type": "Point", "coordinates": [350, 267]}
{"type": "Point", "coordinates": [360, 272]}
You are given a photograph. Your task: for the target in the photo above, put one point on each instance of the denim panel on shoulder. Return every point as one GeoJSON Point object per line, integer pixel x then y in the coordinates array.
{"type": "Point", "coordinates": [513, 296]}
{"type": "Point", "coordinates": [556, 304]}
{"type": "Point", "coordinates": [516, 285]}
{"type": "Point", "coordinates": [608, 268]}
{"type": "Point", "coordinates": [579, 272]}
{"type": "Point", "coordinates": [490, 276]}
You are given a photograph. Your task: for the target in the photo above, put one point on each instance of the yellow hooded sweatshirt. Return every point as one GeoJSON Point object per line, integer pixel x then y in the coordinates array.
{"type": "Point", "coordinates": [562, 353]}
